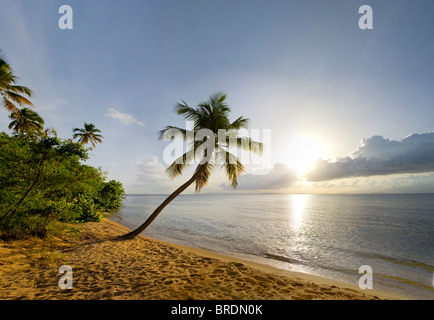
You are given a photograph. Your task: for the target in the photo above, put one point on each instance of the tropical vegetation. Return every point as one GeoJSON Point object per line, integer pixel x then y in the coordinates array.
{"type": "Point", "coordinates": [26, 121]}
{"type": "Point", "coordinates": [88, 134]}
{"type": "Point", "coordinates": [45, 185]}
{"type": "Point", "coordinates": [11, 93]}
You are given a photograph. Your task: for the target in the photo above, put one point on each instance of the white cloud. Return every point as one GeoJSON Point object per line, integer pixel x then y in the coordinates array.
{"type": "Point", "coordinates": [125, 118]}
{"type": "Point", "coordinates": [151, 177]}
{"type": "Point", "coordinates": [278, 178]}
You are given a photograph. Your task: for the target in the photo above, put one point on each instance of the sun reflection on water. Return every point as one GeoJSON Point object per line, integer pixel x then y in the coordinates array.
{"type": "Point", "coordinates": [297, 208]}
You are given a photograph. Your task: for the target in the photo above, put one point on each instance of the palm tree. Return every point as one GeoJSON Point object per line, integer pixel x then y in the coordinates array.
{"type": "Point", "coordinates": [209, 118]}
{"type": "Point", "coordinates": [12, 94]}
{"type": "Point", "coordinates": [88, 134]}
{"type": "Point", "coordinates": [26, 121]}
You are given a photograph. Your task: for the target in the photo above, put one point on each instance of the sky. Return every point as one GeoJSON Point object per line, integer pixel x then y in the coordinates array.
{"type": "Point", "coordinates": [340, 109]}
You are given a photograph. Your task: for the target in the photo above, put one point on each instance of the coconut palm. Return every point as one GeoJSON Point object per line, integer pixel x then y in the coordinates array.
{"type": "Point", "coordinates": [26, 121]}
{"type": "Point", "coordinates": [88, 134]}
{"type": "Point", "coordinates": [211, 122]}
{"type": "Point", "coordinates": [12, 94]}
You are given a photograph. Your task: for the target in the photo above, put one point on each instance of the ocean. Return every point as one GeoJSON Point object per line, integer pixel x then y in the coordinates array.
{"type": "Point", "coordinates": [326, 235]}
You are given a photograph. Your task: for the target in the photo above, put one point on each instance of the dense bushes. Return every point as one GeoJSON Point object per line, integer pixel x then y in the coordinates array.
{"type": "Point", "coordinates": [44, 183]}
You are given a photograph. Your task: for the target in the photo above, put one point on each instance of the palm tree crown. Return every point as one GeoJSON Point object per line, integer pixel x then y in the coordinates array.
{"type": "Point", "coordinates": [26, 121]}
{"type": "Point", "coordinates": [211, 122]}
{"type": "Point", "coordinates": [11, 94]}
{"type": "Point", "coordinates": [88, 134]}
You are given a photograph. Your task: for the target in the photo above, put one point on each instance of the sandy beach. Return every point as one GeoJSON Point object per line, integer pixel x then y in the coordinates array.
{"type": "Point", "coordinates": [148, 269]}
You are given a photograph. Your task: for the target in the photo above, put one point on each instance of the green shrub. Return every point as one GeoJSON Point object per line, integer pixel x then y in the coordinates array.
{"type": "Point", "coordinates": [44, 183]}
{"type": "Point", "coordinates": [110, 195]}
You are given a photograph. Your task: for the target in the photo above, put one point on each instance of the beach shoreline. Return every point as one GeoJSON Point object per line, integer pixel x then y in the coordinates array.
{"type": "Point", "coordinates": [150, 269]}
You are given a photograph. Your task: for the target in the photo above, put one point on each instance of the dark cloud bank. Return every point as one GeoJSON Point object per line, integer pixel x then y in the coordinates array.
{"type": "Point", "coordinates": [380, 156]}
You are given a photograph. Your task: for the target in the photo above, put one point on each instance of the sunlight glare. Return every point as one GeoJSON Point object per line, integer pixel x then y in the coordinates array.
{"type": "Point", "coordinates": [297, 204]}
{"type": "Point", "coordinates": [302, 152]}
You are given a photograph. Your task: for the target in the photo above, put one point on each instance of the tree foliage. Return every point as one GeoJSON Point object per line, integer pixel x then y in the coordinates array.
{"type": "Point", "coordinates": [210, 119]}
{"type": "Point", "coordinates": [11, 94]}
{"type": "Point", "coordinates": [44, 184]}
{"type": "Point", "coordinates": [26, 121]}
{"type": "Point", "coordinates": [88, 134]}
{"type": "Point", "coordinates": [43, 181]}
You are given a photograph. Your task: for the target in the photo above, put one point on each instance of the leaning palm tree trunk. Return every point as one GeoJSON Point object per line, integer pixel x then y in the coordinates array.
{"type": "Point", "coordinates": [169, 199]}
{"type": "Point", "coordinates": [208, 118]}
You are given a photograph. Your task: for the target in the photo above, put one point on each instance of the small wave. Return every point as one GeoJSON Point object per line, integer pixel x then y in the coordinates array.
{"type": "Point", "coordinates": [407, 281]}
{"type": "Point", "coordinates": [404, 262]}
{"type": "Point", "coordinates": [282, 258]}
{"type": "Point", "coordinates": [382, 257]}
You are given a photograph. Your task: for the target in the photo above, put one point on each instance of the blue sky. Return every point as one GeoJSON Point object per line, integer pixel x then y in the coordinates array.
{"type": "Point", "coordinates": [302, 69]}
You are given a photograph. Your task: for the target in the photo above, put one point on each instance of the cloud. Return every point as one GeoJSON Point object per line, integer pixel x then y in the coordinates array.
{"type": "Point", "coordinates": [125, 118]}
{"type": "Point", "coordinates": [150, 169]}
{"type": "Point", "coordinates": [279, 177]}
{"type": "Point", "coordinates": [412, 183]}
{"type": "Point", "coordinates": [380, 156]}
{"type": "Point", "coordinates": [151, 177]}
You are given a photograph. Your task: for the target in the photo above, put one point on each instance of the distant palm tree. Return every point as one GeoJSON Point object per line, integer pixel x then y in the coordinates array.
{"type": "Point", "coordinates": [208, 118]}
{"type": "Point", "coordinates": [26, 121]}
{"type": "Point", "coordinates": [88, 134]}
{"type": "Point", "coordinates": [11, 94]}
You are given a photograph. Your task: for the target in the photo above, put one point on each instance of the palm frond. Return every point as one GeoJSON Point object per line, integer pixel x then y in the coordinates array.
{"type": "Point", "coordinates": [21, 89]}
{"type": "Point", "coordinates": [10, 92]}
{"type": "Point", "coordinates": [7, 78]}
{"type": "Point", "coordinates": [205, 109]}
{"type": "Point", "coordinates": [231, 164]}
{"type": "Point", "coordinates": [217, 99]}
{"type": "Point", "coordinates": [231, 139]}
{"type": "Point", "coordinates": [26, 121]}
{"type": "Point", "coordinates": [178, 166]}
{"type": "Point", "coordinates": [203, 178]}
{"type": "Point", "coordinates": [87, 134]}
{"type": "Point", "coordinates": [187, 112]}
{"type": "Point", "coordinates": [204, 146]}
{"type": "Point", "coordinates": [9, 105]}
{"type": "Point", "coordinates": [213, 115]}
{"type": "Point", "coordinates": [97, 138]}
{"type": "Point", "coordinates": [218, 102]}
{"type": "Point", "coordinates": [171, 132]}
{"type": "Point", "coordinates": [239, 123]}
{"type": "Point", "coordinates": [248, 144]}
{"type": "Point", "coordinates": [12, 124]}
{"type": "Point", "coordinates": [17, 98]}
{"type": "Point", "coordinates": [90, 127]}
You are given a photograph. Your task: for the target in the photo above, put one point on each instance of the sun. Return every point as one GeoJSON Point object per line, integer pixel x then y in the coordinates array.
{"type": "Point", "coordinates": [301, 153]}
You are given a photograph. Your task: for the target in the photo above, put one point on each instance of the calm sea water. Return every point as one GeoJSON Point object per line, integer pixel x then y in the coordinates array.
{"type": "Point", "coordinates": [326, 235]}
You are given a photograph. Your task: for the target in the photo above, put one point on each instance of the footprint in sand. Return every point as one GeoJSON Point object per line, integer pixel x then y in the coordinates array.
{"type": "Point", "coordinates": [219, 271]}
